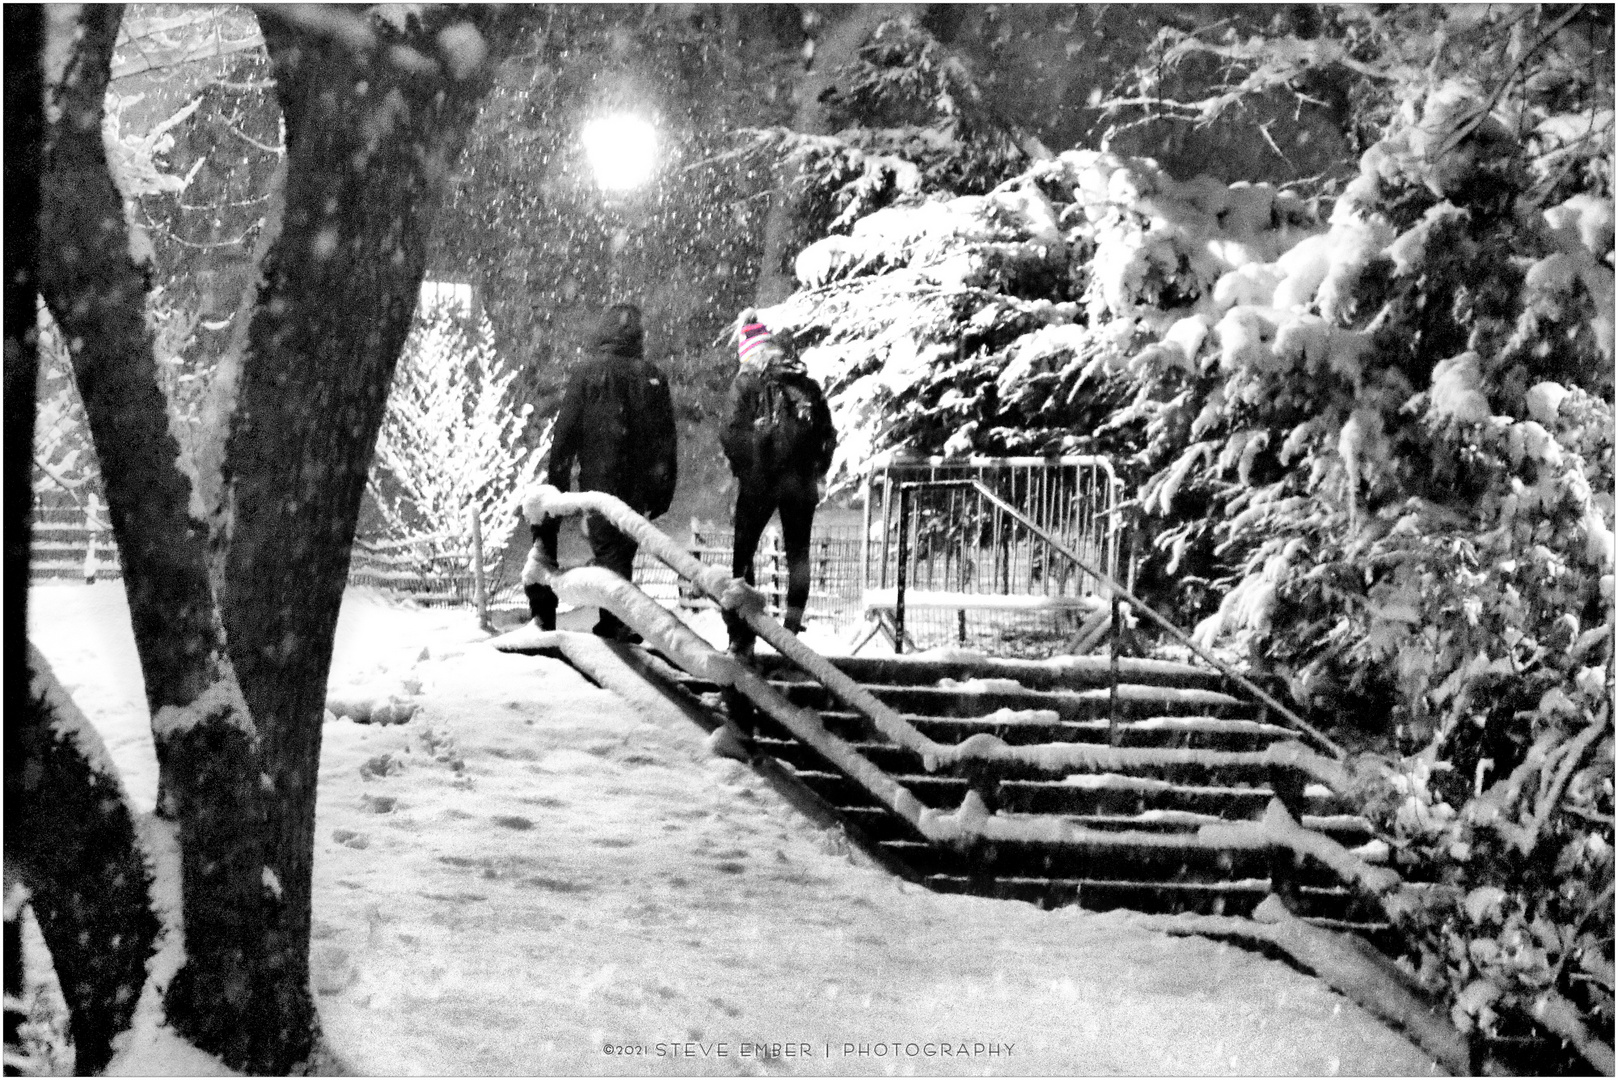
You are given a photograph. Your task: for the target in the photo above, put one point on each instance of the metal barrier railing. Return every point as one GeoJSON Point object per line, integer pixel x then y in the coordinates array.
{"type": "Point", "coordinates": [962, 544]}
{"type": "Point", "coordinates": [1116, 593]}
{"type": "Point", "coordinates": [968, 556]}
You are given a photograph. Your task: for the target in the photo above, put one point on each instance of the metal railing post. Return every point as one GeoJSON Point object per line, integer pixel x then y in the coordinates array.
{"type": "Point", "coordinates": [904, 564]}
{"type": "Point", "coordinates": [1112, 693]}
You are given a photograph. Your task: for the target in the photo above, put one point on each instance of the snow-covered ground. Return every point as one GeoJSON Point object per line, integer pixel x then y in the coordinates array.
{"type": "Point", "coordinates": [530, 878]}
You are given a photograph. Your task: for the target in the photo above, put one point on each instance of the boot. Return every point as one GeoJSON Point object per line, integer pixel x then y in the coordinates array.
{"type": "Point", "coordinates": [612, 628]}
{"type": "Point", "coordinates": [541, 605]}
{"type": "Point", "coordinates": [741, 636]}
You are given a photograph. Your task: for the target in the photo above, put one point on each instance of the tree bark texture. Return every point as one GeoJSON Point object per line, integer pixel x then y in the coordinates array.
{"type": "Point", "coordinates": [70, 837]}
{"type": "Point", "coordinates": [96, 292]}
{"type": "Point", "coordinates": [375, 116]}
{"type": "Point", "coordinates": [209, 777]}
{"type": "Point", "coordinates": [24, 147]}
{"type": "Point", "coordinates": [373, 129]}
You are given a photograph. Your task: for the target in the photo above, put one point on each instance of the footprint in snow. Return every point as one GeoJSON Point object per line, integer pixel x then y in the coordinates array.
{"type": "Point", "coordinates": [379, 804]}
{"type": "Point", "coordinates": [513, 821]}
{"type": "Point", "coordinates": [351, 839]}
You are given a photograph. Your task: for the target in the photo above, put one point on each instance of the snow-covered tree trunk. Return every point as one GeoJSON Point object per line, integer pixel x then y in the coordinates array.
{"type": "Point", "coordinates": [370, 143]}
{"type": "Point", "coordinates": [375, 114]}
{"type": "Point", "coordinates": [69, 836]}
{"type": "Point", "coordinates": [77, 852]}
{"type": "Point", "coordinates": [95, 288]}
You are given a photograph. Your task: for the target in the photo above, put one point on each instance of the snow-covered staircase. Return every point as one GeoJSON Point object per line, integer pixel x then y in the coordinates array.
{"type": "Point", "coordinates": [1132, 834]}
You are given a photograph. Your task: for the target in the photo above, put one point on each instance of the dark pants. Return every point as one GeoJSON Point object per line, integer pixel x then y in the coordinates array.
{"type": "Point", "coordinates": [757, 498]}
{"type": "Point", "coordinates": [611, 549]}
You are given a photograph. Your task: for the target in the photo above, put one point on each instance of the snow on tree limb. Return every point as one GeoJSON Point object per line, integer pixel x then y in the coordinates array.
{"type": "Point", "coordinates": [221, 702]}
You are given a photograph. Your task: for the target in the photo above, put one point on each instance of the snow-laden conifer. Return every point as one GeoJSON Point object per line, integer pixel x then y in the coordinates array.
{"type": "Point", "coordinates": [452, 439]}
{"type": "Point", "coordinates": [1379, 440]}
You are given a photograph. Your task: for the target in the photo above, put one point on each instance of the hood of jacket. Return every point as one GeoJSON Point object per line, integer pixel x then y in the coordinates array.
{"type": "Point", "coordinates": [619, 333]}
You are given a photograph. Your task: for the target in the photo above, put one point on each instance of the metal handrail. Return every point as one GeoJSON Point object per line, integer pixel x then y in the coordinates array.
{"type": "Point", "coordinates": [598, 586]}
{"type": "Point", "coordinates": [1118, 591]}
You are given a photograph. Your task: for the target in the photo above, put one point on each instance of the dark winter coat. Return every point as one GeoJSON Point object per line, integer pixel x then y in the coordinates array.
{"type": "Point", "coordinates": [617, 421]}
{"type": "Point", "coordinates": [752, 438]}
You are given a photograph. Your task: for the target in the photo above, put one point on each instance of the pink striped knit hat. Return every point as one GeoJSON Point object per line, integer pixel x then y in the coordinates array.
{"type": "Point", "coordinates": [752, 337]}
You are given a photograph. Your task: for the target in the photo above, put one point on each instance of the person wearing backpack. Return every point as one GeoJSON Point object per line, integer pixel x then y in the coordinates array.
{"type": "Point", "coordinates": [779, 439]}
{"type": "Point", "coordinates": [616, 424]}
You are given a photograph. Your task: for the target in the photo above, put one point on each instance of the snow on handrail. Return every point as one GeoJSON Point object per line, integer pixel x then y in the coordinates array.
{"type": "Point", "coordinates": [600, 587]}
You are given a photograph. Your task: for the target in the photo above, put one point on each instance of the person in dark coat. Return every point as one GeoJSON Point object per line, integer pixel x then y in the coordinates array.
{"type": "Point", "coordinates": [779, 438]}
{"type": "Point", "coordinates": [616, 424]}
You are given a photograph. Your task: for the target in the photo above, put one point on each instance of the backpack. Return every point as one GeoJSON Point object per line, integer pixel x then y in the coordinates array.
{"type": "Point", "coordinates": [785, 433]}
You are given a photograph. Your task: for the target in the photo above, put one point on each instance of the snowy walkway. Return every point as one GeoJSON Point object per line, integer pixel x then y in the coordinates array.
{"type": "Point", "coordinates": [528, 873]}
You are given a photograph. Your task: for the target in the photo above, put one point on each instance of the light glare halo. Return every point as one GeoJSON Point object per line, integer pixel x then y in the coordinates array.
{"type": "Point", "coordinates": [622, 149]}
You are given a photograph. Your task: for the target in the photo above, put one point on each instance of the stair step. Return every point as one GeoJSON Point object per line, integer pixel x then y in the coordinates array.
{"type": "Point", "coordinates": [1180, 732]}
{"type": "Point", "coordinates": [1060, 673]}
{"type": "Point", "coordinates": [1096, 894]}
{"type": "Point", "coordinates": [878, 823]}
{"type": "Point", "coordinates": [1212, 768]}
{"type": "Point", "coordinates": [1114, 794]}
{"type": "Point", "coordinates": [1120, 864]}
{"type": "Point", "coordinates": [1126, 835]}
{"type": "Point", "coordinates": [1134, 702]}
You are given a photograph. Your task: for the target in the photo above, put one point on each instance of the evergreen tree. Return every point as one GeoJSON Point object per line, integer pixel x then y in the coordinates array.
{"type": "Point", "coordinates": [452, 439]}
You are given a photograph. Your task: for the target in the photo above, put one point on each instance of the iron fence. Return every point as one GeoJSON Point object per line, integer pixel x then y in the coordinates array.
{"type": "Point", "coordinates": [974, 575]}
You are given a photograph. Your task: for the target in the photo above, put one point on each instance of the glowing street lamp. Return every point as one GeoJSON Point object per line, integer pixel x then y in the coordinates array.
{"type": "Point", "coordinates": [622, 149]}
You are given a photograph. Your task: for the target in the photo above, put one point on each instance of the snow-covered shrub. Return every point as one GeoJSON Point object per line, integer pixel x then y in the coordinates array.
{"type": "Point", "coordinates": [1009, 322]}
{"type": "Point", "coordinates": [452, 439]}
{"type": "Point", "coordinates": [1386, 438]}
{"type": "Point", "coordinates": [1402, 432]}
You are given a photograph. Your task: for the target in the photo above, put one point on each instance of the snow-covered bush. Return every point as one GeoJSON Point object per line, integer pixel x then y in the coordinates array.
{"type": "Point", "coordinates": [1009, 322]}
{"type": "Point", "coordinates": [1417, 409]}
{"type": "Point", "coordinates": [1386, 437]}
{"type": "Point", "coordinates": [451, 439]}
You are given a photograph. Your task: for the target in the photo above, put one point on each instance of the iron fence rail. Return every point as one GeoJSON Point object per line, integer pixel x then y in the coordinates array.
{"type": "Point", "coordinates": [973, 572]}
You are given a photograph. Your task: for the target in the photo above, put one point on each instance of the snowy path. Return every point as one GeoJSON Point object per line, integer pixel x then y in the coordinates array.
{"type": "Point", "coordinates": [536, 873]}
